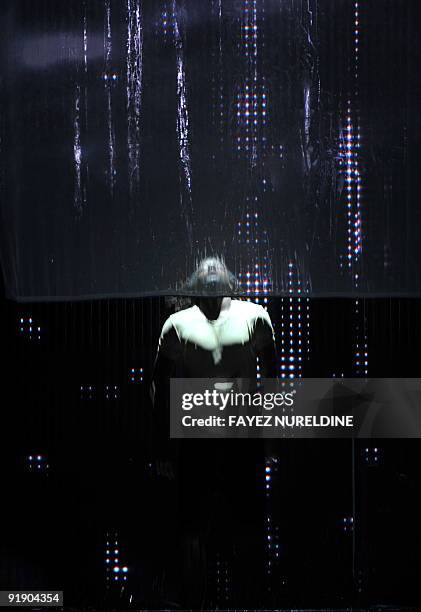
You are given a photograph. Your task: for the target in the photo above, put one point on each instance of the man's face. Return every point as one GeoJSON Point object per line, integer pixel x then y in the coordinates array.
{"type": "Point", "coordinates": [212, 273]}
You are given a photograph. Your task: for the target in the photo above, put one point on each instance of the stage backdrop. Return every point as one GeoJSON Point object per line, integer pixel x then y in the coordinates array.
{"type": "Point", "coordinates": [139, 135]}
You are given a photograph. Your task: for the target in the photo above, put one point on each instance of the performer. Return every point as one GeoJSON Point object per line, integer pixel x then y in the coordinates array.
{"type": "Point", "coordinates": [219, 337]}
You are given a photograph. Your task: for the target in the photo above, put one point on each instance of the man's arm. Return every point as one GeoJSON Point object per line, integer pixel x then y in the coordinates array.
{"type": "Point", "coordinates": [164, 369]}
{"type": "Point", "coordinates": [264, 345]}
{"type": "Point", "coordinates": [165, 362]}
{"type": "Point", "coordinates": [265, 348]}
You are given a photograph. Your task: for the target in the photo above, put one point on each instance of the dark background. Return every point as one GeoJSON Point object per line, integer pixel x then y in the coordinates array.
{"type": "Point", "coordinates": [175, 537]}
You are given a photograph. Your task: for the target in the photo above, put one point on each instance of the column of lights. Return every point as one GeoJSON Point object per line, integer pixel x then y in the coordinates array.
{"type": "Point", "coordinates": [272, 530]}
{"type": "Point", "coordinates": [357, 229]}
{"type": "Point", "coordinates": [255, 280]}
{"type": "Point", "coordinates": [28, 328]}
{"type": "Point", "coordinates": [222, 580]}
{"type": "Point", "coordinates": [350, 161]}
{"type": "Point", "coordinates": [251, 108]}
{"type": "Point", "coordinates": [252, 98]}
{"type": "Point", "coordinates": [361, 342]}
{"type": "Point", "coordinates": [251, 120]}
{"type": "Point", "coordinates": [217, 74]}
{"type": "Point", "coordinates": [115, 570]}
{"type": "Point", "coordinates": [361, 348]}
{"type": "Point", "coordinates": [165, 23]}
{"type": "Point", "coordinates": [221, 73]}
{"type": "Point", "coordinates": [251, 115]}
{"type": "Point", "coordinates": [295, 328]}
{"type": "Point", "coordinates": [353, 192]}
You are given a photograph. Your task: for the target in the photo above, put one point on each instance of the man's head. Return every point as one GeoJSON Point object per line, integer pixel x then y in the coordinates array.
{"type": "Point", "coordinates": [212, 278]}
{"type": "Point", "coordinates": [210, 282]}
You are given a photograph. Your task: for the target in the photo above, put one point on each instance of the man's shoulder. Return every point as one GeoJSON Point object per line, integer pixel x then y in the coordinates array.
{"type": "Point", "coordinates": [249, 308]}
{"type": "Point", "coordinates": [251, 312]}
{"type": "Point", "coordinates": [179, 318]}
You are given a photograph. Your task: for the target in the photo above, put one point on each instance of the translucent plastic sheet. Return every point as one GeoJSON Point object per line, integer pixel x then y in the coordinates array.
{"type": "Point", "coordinates": [138, 136]}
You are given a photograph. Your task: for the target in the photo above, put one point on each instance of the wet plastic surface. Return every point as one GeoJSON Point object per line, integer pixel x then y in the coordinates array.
{"type": "Point", "coordinates": [138, 137]}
